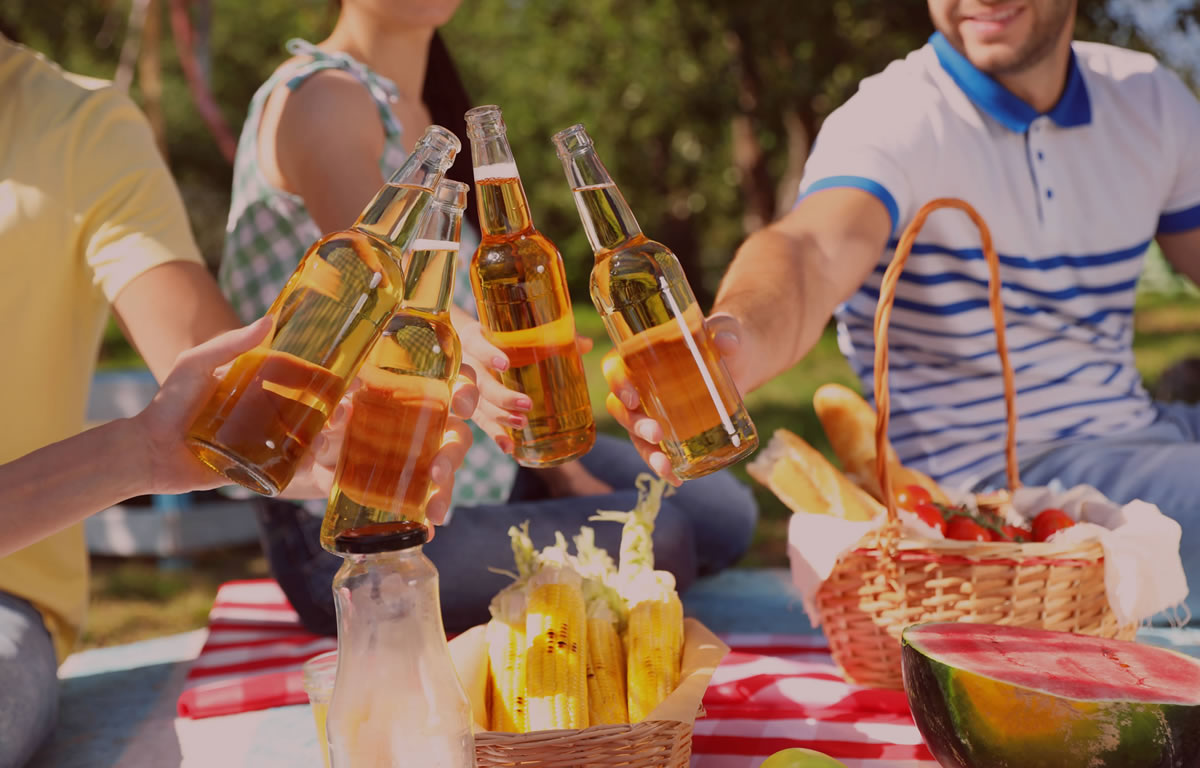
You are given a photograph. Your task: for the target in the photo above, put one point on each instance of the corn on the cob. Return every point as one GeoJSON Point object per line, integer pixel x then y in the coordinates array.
{"type": "Point", "coordinates": [655, 645]}
{"type": "Point", "coordinates": [556, 631]}
{"type": "Point", "coordinates": [506, 659]}
{"type": "Point", "coordinates": [654, 632]}
{"type": "Point", "coordinates": [607, 703]}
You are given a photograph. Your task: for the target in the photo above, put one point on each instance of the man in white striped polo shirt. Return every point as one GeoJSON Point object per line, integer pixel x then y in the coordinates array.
{"type": "Point", "coordinates": [1077, 155]}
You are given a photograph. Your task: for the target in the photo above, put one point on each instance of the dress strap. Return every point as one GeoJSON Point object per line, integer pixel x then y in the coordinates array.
{"type": "Point", "coordinates": [383, 91]}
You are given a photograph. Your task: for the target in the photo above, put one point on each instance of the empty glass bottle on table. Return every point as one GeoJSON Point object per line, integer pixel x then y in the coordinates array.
{"type": "Point", "coordinates": [397, 698]}
{"type": "Point", "coordinates": [658, 329]}
{"type": "Point", "coordinates": [524, 308]}
{"type": "Point", "coordinates": [399, 412]}
{"type": "Point", "coordinates": [269, 407]}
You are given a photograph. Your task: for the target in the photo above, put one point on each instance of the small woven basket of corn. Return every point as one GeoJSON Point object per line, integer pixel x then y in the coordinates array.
{"type": "Point", "coordinates": [893, 578]}
{"type": "Point", "coordinates": [584, 662]}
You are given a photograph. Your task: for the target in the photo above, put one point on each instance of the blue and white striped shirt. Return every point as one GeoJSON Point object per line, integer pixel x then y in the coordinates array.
{"type": "Point", "coordinates": [1072, 197]}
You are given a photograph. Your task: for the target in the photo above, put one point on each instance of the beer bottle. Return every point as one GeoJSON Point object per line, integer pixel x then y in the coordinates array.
{"type": "Point", "coordinates": [275, 398]}
{"type": "Point", "coordinates": [399, 412]}
{"type": "Point", "coordinates": [653, 319]}
{"type": "Point", "coordinates": [524, 309]}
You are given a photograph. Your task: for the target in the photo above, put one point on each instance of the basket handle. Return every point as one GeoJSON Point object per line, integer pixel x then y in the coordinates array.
{"type": "Point", "coordinates": [883, 314]}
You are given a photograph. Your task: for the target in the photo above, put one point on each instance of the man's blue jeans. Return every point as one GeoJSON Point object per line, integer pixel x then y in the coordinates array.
{"type": "Point", "coordinates": [705, 526]}
{"type": "Point", "coordinates": [28, 682]}
{"type": "Point", "coordinates": [1159, 464]}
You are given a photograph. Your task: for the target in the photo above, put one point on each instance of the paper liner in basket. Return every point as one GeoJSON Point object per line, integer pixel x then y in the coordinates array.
{"type": "Point", "coordinates": [702, 652]}
{"type": "Point", "coordinates": [1143, 573]}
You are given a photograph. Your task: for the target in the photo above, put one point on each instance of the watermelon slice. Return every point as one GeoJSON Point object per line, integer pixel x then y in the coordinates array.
{"type": "Point", "coordinates": [986, 696]}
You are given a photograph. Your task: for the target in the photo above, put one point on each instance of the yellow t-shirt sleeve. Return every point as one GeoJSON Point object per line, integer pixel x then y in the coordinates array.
{"type": "Point", "coordinates": [129, 213]}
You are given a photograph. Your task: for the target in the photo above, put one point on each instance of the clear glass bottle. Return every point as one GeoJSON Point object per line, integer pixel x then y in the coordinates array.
{"type": "Point", "coordinates": [658, 328]}
{"type": "Point", "coordinates": [275, 398]}
{"type": "Point", "coordinates": [397, 699]}
{"type": "Point", "coordinates": [520, 288]}
{"type": "Point", "coordinates": [399, 413]}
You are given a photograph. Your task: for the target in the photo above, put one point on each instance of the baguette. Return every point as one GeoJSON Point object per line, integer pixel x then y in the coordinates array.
{"type": "Point", "coordinates": [805, 481]}
{"type": "Point", "coordinates": [849, 423]}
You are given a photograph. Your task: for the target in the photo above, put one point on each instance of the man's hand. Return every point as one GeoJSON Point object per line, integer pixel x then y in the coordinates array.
{"type": "Point", "coordinates": [624, 405]}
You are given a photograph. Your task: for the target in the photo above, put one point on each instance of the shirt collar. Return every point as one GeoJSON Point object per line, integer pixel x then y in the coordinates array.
{"type": "Point", "coordinates": [1074, 108]}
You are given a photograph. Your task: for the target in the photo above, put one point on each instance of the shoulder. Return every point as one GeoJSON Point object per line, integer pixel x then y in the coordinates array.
{"type": "Point", "coordinates": [50, 97]}
{"type": "Point", "coordinates": [334, 92]}
{"type": "Point", "coordinates": [894, 108]}
{"type": "Point", "coordinates": [1132, 80]}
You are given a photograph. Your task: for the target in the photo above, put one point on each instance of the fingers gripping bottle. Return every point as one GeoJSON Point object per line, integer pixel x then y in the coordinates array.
{"type": "Point", "coordinates": [653, 319]}
{"type": "Point", "coordinates": [270, 405]}
{"type": "Point", "coordinates": [521, 289]}
{"type": "Point", "coordinates": [399, 413]}
{"type": "Point", "coordinates": [397, 699]}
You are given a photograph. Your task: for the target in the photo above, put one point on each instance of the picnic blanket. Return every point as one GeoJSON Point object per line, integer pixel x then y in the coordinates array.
{"type": "Point", "coordinates": [772, 691]}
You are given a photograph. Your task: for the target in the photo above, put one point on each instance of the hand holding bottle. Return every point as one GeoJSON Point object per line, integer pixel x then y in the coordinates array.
{"type": "Point", "coordinates": [623, 405]}
{"type": "Point", "coordinates": [500, 409]}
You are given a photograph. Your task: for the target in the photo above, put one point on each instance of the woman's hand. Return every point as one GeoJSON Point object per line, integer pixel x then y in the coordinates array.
{"type": "Point", "coordinates": [455, 442]}
{"type": "Point", "coordinates": [500, 409]}
{"type": "Point", "coordinates": [163, 423]}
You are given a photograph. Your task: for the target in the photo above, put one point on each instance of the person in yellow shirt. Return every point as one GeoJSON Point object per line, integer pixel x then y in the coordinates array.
{"type": "Point", "coordinates": [145, 454]}
{"type": "Point", "coordinates": [89, 219]}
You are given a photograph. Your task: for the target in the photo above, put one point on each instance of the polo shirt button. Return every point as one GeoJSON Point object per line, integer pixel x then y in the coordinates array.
{"type": "Point", "coordinates": [1041, 155]}
{"type": "Point", "coordinates": [1049, 194]}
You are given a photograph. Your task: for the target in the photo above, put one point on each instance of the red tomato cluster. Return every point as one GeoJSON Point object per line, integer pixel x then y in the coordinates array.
{"type": "Point", "coordinates": [960, 524]}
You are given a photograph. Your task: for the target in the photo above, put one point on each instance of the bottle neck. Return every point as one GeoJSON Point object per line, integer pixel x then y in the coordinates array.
{"type": "Point", "coordinates": [429, 271]}
{"type": "Point", "coordinates": [398, 209]}
{"type": "Point", "coordinates": [503, 205]}
{"type": "Point", "coordinates": [607, 218]}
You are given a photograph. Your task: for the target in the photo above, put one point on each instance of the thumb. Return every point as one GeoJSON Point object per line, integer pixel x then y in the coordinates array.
{"type": "Point", "coordinates": [726, 332]}
{"type": "Point", "coordinates": [225, 347]}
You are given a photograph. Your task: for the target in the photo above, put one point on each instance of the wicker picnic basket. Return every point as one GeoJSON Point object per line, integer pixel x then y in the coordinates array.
{"type": "Point", "coordinates": [655, 743]}
{"type": "Point", "coordinates": [893, 579]}
{"type": "Point", "coordinates": [663, 741]}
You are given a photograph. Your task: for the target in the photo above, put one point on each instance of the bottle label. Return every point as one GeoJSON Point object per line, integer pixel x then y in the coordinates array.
{"type": "Point", "coordinates": [425, 244]}
{"type": "Point", "coordinates": [496, 171]}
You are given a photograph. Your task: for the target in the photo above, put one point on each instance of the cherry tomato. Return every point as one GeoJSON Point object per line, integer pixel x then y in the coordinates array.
{"type": "Point", "coordinates": [966, 529]}
{"type": "Point", "coordinates": [911, 496]}
{"type": "Point", "coordinates": [1017, 533]}
{"type": "Point", "coordinates": [931, 516]}
{"type": "Point", "coordinates": [1048, 521]}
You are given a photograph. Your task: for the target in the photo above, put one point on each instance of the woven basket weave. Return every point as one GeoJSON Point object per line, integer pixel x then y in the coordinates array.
{"type": "Point", "coordinates": [893, 579]}
{"type": "Point", "coordinates": [648, 744]}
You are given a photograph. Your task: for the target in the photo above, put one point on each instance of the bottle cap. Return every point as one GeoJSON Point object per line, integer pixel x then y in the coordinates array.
{"type": "Point", "coordinates": [377, 538]}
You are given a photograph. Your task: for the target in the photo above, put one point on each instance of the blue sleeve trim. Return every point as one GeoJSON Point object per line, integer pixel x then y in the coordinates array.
{"type": "Point", "coordinates": [865, 184]}
{"type": "Point", "coordinates": [1179, 221]}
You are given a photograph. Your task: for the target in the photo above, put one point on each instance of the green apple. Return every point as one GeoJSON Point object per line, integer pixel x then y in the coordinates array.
{"type": "Point", "coordinates": [798, 757]}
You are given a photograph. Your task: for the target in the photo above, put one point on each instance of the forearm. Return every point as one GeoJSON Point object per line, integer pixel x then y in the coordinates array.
{"type": "Point", "coordinates": [1182, 251]}
{"type": "Point", "coordinates": [777, 289]}
{"type": "Point", "coordinates": [61, 484]}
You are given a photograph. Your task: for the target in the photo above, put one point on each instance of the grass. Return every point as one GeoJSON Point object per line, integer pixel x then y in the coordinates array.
{"type": "Point", "coordinates": [134, 599]}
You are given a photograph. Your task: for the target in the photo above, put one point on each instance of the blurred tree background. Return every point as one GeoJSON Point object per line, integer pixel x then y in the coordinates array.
{"type": "Point", "coordinates": [703, 111]}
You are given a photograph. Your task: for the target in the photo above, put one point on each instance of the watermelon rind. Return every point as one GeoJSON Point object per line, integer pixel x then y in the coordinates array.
{"type": "Point", "coordinates": [972, 720]}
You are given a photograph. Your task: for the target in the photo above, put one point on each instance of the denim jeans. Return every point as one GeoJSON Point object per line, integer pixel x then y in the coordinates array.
{"type": "Point", "coordinates": [1159, 464]}
{"type": "Point", "coordinates": [28, 682]}
{"type": "Point", "coordinates": [705, 526]}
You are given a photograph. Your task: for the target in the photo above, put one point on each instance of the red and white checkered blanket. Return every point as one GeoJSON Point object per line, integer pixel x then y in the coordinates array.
{"type": "Point", "coordinates": [770, 692]}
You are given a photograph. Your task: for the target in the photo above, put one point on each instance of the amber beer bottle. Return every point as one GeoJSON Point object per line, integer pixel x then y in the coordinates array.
{"type": "Point", "coordinates": [520, 287]}
{"type": "Point", "coordinates": [274, 399]}
{"type": "Point", "coordinates": [399, 413]}
{"type": "Point", "coordinates": [653, 319]}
